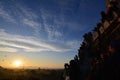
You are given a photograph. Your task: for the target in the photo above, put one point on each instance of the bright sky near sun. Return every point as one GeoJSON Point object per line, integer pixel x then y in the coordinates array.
{"type": "Point", "coordinates": [45, 33]}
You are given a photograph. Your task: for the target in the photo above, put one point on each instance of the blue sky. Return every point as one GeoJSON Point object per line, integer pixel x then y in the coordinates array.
{"type": "Point", "coordinates": [45, 33]}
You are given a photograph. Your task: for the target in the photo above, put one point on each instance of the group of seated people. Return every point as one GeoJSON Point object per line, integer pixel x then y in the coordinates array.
{"type": "Point", "coordinates": [109, 67]}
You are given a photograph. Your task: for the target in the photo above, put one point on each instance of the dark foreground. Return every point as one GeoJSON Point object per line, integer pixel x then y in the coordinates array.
{"type": "Point", "coordinates": [30, 74]}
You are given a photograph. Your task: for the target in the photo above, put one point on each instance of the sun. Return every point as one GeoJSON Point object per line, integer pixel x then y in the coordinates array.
{"type": "Point", "coordinates": [17, 63]}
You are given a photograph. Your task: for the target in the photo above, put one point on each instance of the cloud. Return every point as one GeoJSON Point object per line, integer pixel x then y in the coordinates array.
{"type": "Point", "coordinates": [30, 44]}
{"type": "Point", "coordinates": [29, 18]}
{"type": "Point", "coordinates": [74, 44]}
{"type": "Point", "coordinates": [63, 22]}
{"type": "Point", "coordinates": [7, 49]}
{"type": "Point", "coordinates": [5, 15]}
{"type": "Point", "coordinates": [53, 33]}
{"type": "Point", "coordinates": [52, 22]}
{"type": "Point", "coordinates": [51, 28]}
{"type": "Point", "coordinates": [27, 12]}
{"type": "Point", "coordinates": [20, 14]}
{"type": "Point", "coordinates": [33, 24]}
{"type": "Point", "coordinates": [25, 47]}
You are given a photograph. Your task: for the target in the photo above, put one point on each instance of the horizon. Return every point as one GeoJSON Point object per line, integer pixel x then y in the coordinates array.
{"type": "Point", "coordinates": [31, 67]}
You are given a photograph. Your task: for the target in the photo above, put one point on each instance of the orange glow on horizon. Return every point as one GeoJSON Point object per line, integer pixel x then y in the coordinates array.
{"type": "Point", "coordinates": [20, 62]}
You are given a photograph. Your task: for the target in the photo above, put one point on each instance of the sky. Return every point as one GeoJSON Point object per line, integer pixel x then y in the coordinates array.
{"type": "Point", "coordinates": [45, 33]}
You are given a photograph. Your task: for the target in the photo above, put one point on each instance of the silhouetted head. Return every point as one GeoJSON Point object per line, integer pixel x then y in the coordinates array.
{"type": "Point", "coordinates": [114, 47]}
{"type": "Point", "coordinates": [114, 3]}
{"type": "Point", "coordinates": [72, 63]}
{"type": "Point", "coordinates": [103, 13]}
{"type": "Point", "coordinates": [66, 65]}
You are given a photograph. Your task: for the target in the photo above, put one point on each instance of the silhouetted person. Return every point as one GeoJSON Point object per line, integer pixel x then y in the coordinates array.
{"type": "Point", "coordinates": [76, 58]}
{"type": "Point", "coordinates": [114, 6]}
{"type": "Point", "coordinates": [74, 70]}
{"type": "Point", "coordinates": [104, 17]}
{"type": "Point", "coordinates": [66, 72]}
{"type": "Point", "coordinates": [111, 66]}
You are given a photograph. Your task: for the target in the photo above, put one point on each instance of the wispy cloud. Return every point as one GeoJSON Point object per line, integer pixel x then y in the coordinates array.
{"type": "Point", "coordinates": [31, 23]}
{"type": "Point", "coordinates": [73, 43]}
{"type": "Point", "coordinates": [53, 34]}
{"type": "Point", "coordinates": [51, 28]}
{"type": "Point", "coordinates": [35, 25]}
{"type": "Point", "coordinates": [7, 49]}
{"type": "Point", "coordinates": [58, 24]}
{"type": "Point", "coordinates": [20, 14]}
{"type": "Point", "coordinates": [52, 21]}
{"type": "Point", "coordinates": [30, 44]}
{"type": "Point", "coordinates": [29, 18]}
{"type": "Point", "coordinates": [24, 46]}
{"type": "Point", "coordinates": [4, 14]}
{"type": "Point", "coordinates": [54, 24]}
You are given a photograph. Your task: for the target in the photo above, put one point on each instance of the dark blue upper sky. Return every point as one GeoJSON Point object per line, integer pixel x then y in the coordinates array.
{"type": "Point", "coordinates": [46, 28]}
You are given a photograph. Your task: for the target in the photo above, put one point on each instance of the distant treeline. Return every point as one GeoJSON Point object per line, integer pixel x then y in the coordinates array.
{"type": "Point", "coordinates": [30, 74]}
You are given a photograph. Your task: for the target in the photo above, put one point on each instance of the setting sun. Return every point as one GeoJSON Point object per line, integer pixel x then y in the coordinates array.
{"type": "Point", "coordinates": [17, 63]}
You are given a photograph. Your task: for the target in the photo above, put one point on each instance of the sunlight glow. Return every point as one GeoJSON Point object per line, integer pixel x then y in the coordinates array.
{"type": "Point", "coordinates": [17, 63]}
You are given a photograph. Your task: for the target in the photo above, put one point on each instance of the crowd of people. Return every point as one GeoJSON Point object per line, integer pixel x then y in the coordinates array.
{"type": "Point", "coordinates": [98, 59]}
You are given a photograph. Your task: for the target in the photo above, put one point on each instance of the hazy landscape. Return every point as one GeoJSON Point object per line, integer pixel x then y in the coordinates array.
{"type": "Point", "coordinates": [30, 74]}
